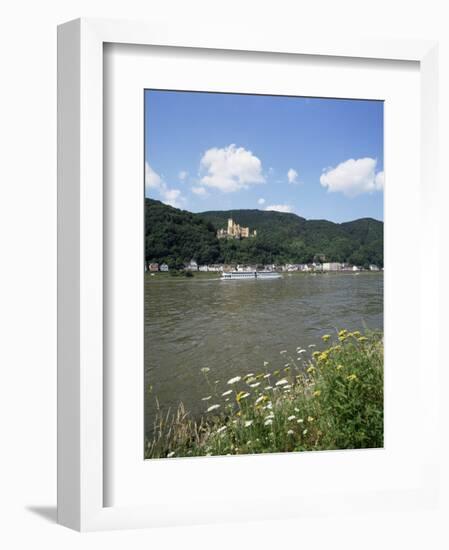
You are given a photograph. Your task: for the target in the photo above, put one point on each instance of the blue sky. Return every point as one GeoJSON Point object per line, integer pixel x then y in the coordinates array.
{"type": "Point", "coordinates": [318, 158]}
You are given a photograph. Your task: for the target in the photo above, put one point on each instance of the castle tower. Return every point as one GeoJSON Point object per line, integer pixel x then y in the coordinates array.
{"type": "Point", "coordinates": [230, 226]}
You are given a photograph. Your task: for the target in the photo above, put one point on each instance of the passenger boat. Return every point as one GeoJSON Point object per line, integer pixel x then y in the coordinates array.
{"type": "Point", "coordinates": [248, 275]}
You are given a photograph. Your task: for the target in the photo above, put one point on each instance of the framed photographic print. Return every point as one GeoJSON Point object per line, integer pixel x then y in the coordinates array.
{"type": "Point", "coordinates": [232, 285]}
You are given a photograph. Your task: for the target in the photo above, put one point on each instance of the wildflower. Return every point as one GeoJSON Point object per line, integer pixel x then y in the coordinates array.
{"type": "Point", "coordinates": [205, 369]}
{"type": "Point", "coordinates": [283, 351]}
{"type": "Point", "coordinates": [268, 387]}
{"type": "Point", "coordinates": [317, 393]}
{"type": "Point", "coordinates": [300, 420]}
{"type": "Point", "coordinates": [254, 385]}
{"type": "Point", "coordinates": [304, 431]}
{"type": "Point", "coordinates": [172, 453]}
{"type": "Point", "coordinates": [291, 417]}
{"type": "Point", "coordinates": [356, 333]}
{"type": "Point", "coordinates": [339, 367]}
{"type": "Point", "coordinates": [352, 377]}
{"type": "Point", "coordinates": [323, 356]}
{"type": "Point", "coordinates": [287, 369]}
{"type": "Point", "coordinates": [261, 399]}
{"type": "Point", "coordinates": [290, 432]}
{"type": "Point", "coordinates": [249, 377]}
{"type": "Point", "coordinates": [242, 395]}
{"type": "Point", "coordinates": [362, 339]}
{"type": "Point", "coordinates": [206, 398]}
{"type": "Point", "coordinates": [312, 345]}
{"type": "Point", "coordinates": [268, 406]}
{"type": "Point", "coordinates": [270, 415]}
{"type": "Point", "coordinates": [296, 409]}
{"type": "Point", "coordinates": [267, 375]}
{"type": "Point", "coordinates": [268, 422]}
{"type": "Point", "coordinates": [326, 337]}
{"type": "Point", "coordinates": [310, 419]}
{"type": "Point", "coordinates": [287, 387]}
{"type": "Point", "coordinates": [213, 408]}
{"type": "Point", "coordinates": [311, 369]}
{"type": "Point", "coordinates": [301, 351]}
{"type": "Point", "coordinates": [248, 423]}
{"type": "Point", "coordinates": [282, 382]}
{"type": "Point", "coordinates": [220, 430]}
{"type": "Point", "coordinates": [234, 380]}
{"type": "Point", "coordinates": [228, 392]}
{"type": "Point", "coordinates": [343, 332]}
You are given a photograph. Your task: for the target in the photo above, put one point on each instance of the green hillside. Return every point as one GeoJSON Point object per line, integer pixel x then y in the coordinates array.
{"type": "Point", "coordinates": [175, 236]}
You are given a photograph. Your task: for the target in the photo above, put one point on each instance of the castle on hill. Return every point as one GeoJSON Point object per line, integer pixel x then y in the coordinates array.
{"type": "Point", "coordinates": [235, 231]}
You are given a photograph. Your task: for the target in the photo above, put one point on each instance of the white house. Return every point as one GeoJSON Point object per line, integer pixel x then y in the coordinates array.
{"type": "Point", "coordinates": [331, 266]}
{"type": "Point", "coordinates": [163, 267]}
{"type": "Point", "coordinates": [203, 268]}
{"type": "Point", "coordinates": [373, 268]}
{"type": "Point", "coordinates": [192, 266]}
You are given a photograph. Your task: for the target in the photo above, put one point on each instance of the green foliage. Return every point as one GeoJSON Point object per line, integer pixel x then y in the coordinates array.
{"type": "Point", "coordinates": [332, 399]}
{"type": "Point", "coordinates": [176, 236]}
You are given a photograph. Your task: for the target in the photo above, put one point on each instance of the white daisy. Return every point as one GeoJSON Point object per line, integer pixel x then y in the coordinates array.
{"type": "Point", "coordinates": [225, 393]}
{"type": "Point", "coordinates": [282, 382]}
{"type": "Point", "coordinates": [234, 380]}
{"type": "Point", "coordinates": [213, 408]}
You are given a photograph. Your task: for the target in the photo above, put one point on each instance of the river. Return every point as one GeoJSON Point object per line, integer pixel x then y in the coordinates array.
{"type": "Point", "coordinates": [232, 327]}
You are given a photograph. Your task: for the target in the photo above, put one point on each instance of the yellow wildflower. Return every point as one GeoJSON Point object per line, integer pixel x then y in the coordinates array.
{"type": "Point", "coordinates": [323, 356]}
{"type": "Point", "coordinates": [317, 393]}
{"type": "Point", "coordinates": [352, 377]}
{"type": "Point", "coordinates": [310, 419]}
{"type": "Point", "coordinates": [311, 369]}
{"type": "Point", "coordinates": [339, 367]}
{"type": "Point", "coordinates": [326, 337]}
{"type": "Point", "coordinates": [343, 332]}
{"type": "Point", "coordinates": [362, 339]}
{"type": "Point", "coordinates": [316, 354]}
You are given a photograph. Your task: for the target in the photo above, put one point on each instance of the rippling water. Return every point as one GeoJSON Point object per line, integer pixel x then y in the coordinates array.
{"type": "Point", "coordinates": [232, 327]}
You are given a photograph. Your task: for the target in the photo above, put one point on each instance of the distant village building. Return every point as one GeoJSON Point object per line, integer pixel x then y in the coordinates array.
{"type": "Point", "coordinates": [163, 267]}
{"type": "Point", "coordinates": [235, 231]}
{"type": "Point", "coordinates": [374, 268]}
{"type": "Point", "coordinates": [331, 266]}
{"type": "Point", "coordinates": [153, 267]}
{"type": "Point", "coordinates": [192, 266]}
{"type": "Point", "coordinates": [215, 267]}
{"type": "Point", "coordinates": [203, 268]}
{"type": "Point", "coordinates": [247, 268]}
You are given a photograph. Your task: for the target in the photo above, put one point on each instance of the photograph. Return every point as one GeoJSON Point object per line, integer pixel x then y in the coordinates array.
{"type": "Point", "coordinates": [263, 274]}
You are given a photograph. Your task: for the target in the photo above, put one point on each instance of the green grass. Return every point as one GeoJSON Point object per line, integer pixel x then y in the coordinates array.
{"type": "Point", "coordinates": [320, 399]}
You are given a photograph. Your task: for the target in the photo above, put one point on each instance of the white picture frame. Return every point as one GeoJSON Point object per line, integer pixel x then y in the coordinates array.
{"type": "Point", "coordinates": [81, 385]}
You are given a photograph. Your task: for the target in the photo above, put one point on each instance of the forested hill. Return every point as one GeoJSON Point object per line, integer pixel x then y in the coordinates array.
{"type": "Point", "coordinates": [176, 236]}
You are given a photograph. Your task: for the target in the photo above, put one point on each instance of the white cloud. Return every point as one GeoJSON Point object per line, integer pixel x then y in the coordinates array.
{"type": "Point", "coordinates": [292, 176]}
{"type": "Point", "coordinates": [261, 201]}
{"type": "Point", "coordinates": [353, 177]}
{"type": "Point", "coordinates": [152, 179]}
{"type": "Point", "coordinates": [154, 182]}
{"type": "Point", "coordinates": [380, 180]}
{"type": "Point", "coordinates": [230, 169]}
{"type": "Point", "coordinates": [183, 175]}
{"type": "Point", "coordinates": [280, 208]}
{"type": "Point", "coordinates": [200, 191]}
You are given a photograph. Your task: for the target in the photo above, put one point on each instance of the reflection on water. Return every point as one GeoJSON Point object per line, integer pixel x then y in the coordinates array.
{"type": "Point", "coordinates": [232, 327]}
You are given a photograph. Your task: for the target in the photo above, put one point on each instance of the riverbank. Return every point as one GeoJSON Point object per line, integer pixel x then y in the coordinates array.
{"type": "Point", "coordinates": [323, 397]}
{"type": "Point", "coordinates": [199, 275]}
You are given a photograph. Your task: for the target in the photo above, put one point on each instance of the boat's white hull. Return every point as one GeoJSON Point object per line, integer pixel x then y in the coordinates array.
{"type": "Point", "coordinates": [250, 276]}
